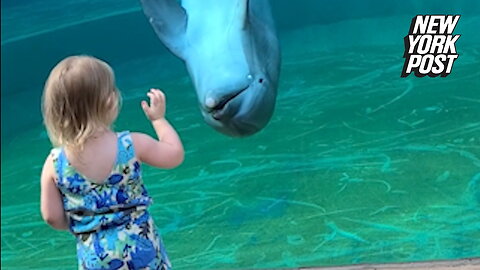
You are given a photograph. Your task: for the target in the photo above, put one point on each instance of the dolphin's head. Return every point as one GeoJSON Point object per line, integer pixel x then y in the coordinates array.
{"type": "Point", "coordinates": [232, 54]}
{"type": "Point", "coordinates": [234, 67]}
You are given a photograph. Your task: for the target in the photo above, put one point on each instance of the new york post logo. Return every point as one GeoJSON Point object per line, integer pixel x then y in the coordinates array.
{"type": "Point", "coordinates": [430, 46]}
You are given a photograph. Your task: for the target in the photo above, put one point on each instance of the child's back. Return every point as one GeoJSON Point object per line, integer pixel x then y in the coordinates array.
{"type": "Point", "coordinates": [91, 182]}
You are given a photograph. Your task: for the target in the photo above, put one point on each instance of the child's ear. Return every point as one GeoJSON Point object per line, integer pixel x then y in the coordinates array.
{"type": "Point", "coordinates": [113, 100]}
{"type": "Point", "coordinates": [113, 104]}
{"type": "Point", "coordinates": [117, 98]}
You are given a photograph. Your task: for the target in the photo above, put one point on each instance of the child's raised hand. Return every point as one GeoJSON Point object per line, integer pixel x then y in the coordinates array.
{"type": "Point", "coordinates": [156, 110]}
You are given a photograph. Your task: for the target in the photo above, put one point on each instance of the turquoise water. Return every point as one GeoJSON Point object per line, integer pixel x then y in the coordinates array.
{"type": "Point", "coordinates": [357, 164]}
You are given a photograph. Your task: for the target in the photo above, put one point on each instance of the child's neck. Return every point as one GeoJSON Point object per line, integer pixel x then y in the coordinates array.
{"type": "Point", "coordinates": [92, 139]}
{"type": "Point", "coordinates": [99, 133]}
{"type": "Point", "coordinates": [97, 158]}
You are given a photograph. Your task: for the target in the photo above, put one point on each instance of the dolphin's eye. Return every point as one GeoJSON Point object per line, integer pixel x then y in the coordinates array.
{"type": "Point", "coordinates": [260, 80]}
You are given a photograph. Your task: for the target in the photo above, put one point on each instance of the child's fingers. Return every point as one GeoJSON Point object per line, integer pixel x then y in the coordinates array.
{"type": "Point", "coordinates": [160, 92]}
{"type": "Point", "coordinates": [159, 96]}
{"type": "Point", "coordinates": [154, 92]}
{"type": "Point", "coordinates": [153, 99]}
{"type": "Point", "coordinates": [144, 106]}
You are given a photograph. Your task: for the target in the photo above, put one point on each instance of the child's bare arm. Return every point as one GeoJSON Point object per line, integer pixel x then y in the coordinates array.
{"type": "Point", "coordinates": [167, 151]}
{"type": "Point", "coordinates": [51, 204]}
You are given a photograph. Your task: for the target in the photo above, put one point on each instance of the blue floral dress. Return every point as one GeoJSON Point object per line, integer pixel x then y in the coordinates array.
{"type": "Point", "coordinates": [110, 220]}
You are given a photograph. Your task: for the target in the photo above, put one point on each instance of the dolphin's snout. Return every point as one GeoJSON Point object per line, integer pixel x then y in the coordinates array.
{"type": "Point", "coordinates": [216, 105]}
{"type": "Point", "coordinates": [242, 112]}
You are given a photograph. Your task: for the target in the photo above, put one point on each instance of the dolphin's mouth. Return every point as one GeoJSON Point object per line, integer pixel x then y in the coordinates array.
{"type": "Point", "coordinates": [218, 111]}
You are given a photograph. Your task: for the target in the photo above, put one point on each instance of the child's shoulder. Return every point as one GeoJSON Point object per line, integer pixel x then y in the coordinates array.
{"type": "Point", "coordinates": [140, 141]}
{"type": "Point", "coordinates": [55, 156]}
{"type": "Point", "coordinates": [50, 163]}
{"type": "Point", "coordinates": [138, 137]}
{"type": "Point", "coordinates": [126, 136]}
{"type": "Point", "coordinates": [132, 140]}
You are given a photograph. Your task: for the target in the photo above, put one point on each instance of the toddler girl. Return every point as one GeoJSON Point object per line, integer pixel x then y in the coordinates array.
{"type": "Point", "coordinates": [91, 182]}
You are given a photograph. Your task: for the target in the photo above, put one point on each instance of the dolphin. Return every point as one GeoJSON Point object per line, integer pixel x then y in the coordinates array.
{"type": "Point", "coordinates": [232, 55]}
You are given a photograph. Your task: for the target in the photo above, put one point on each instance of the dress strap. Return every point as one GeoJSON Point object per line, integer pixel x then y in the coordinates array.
{"type": "Point", "coordinates": [126, 152]}
{"type": "Point", "coordinates": [59, 160]}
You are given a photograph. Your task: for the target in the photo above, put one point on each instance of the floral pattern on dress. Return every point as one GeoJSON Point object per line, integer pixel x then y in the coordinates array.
{"type": "Point", "coordinates": [110, 220]}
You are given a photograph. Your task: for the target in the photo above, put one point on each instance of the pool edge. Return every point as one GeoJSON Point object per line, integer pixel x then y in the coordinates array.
{"type": "Point", "coordinates": [462, 264]}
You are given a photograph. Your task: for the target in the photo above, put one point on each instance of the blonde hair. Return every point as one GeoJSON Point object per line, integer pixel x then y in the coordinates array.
{"type": "Point", "coordinates": [79, 99]}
